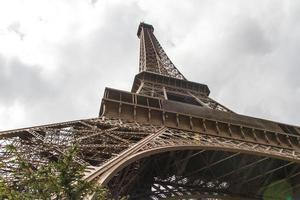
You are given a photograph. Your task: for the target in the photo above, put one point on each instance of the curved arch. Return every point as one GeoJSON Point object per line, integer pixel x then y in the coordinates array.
{"type": "Point", "coordinates": [106, 177]}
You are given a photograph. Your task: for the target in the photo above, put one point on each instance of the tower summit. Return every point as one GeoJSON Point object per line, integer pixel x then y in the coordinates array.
{"type": "Point", "coordinates": [152, 56]}
{"type": "Point", "coordinates": [167, 139]}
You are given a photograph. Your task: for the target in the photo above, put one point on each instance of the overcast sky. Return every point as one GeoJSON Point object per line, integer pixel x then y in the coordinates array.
{"type": "Point", "coordinates": [57, 56]}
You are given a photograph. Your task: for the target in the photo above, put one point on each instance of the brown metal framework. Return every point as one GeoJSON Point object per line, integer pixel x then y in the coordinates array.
{"type": "Point", "coordinates": [167, 139]}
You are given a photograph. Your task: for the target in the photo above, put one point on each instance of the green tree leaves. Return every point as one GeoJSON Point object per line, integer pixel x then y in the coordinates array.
{"type": "Point", "coordinates": [55, 181]}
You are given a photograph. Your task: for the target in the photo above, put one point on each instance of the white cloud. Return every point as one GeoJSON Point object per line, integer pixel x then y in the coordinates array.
{"type": "Point", "coordinates": [57, 56]}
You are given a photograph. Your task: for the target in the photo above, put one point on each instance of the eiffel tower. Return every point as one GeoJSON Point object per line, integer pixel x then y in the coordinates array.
{"type": "Point", "coordinates": [167, 139]}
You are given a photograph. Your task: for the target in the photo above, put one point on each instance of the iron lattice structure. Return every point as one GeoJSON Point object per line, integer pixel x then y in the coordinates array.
{"type": "Point", "coordinates": [167, 139]}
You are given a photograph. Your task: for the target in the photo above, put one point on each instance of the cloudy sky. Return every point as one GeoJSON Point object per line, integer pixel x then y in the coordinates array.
{"type": "Point", "coordinates": [57, 56]}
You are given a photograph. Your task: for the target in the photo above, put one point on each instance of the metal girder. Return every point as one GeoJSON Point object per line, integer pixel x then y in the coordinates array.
{"type": "Point", "coordinates": [98, 139]}
{"type": "Point", "coordinates": [168, 183]}
{"type": "Point", "coordinates": [167, 139]}
{"type": "Point", "coordinates": [152, 56]}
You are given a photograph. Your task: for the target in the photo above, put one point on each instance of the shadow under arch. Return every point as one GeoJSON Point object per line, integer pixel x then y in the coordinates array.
{"type": "Point", "coordinates": [146, 153]}
{"type": "Point", "coordinates": [269, 166]}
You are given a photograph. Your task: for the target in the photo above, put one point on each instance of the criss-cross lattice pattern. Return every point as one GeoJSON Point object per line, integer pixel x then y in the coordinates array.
{"type": "Point", "coordinates": [167, 139]}
{"type": "Point", "coordinates": [98, 140]}
{"type": "Point", "coordinates": [192, 165]}
{"type": "Point", "coordinates": [153, 58]}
